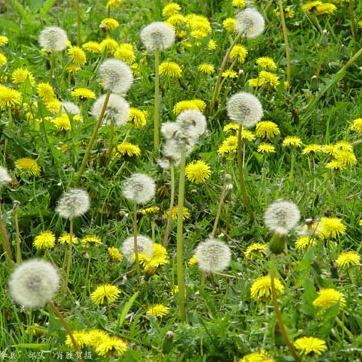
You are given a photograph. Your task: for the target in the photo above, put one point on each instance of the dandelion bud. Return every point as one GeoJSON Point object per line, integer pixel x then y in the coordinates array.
{"type": "Point", "coordinates": [144, 245]}
{"type": "Point", "coordinates": [278, 243]}
{"type": "Point", "coordinates": [139, 188]}
{"type": "Point", "coordinates": [75, 202]}
{"type": "Point", "coordinates": [212, 255]}
{"type": "Point", "coordinates": [115, 76]}
{"type": "Point", "coordinates": [249, 22]}
{"type": "Point", "coordinates": [157, 36]}
{"type": "Point", "coordinates": [245, 109]}
{"type": "Point", "coordinates": [53, 38]}
{"type": "Point", "coordinates": [34, 283]}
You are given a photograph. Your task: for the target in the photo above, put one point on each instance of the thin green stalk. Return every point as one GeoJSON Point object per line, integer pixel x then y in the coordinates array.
{"type": "Point", "coordinates": [156, 119]}
{"type": "Point", "coordinates": [78, 21]}
{"type": "Point", "coordinates": [17, 233]}
{"type": "Point", "coordinates": [91, 141]}
{"type": "Point", "coordinates": [277, 311]}
{"type": "Point", "coordinates": [353, 20]}
{"type": "Point", "coordinates": [5, 240]}
{"type": "Point", "coordinates": [179, 238]}
{"type": "Point", "coordinates": [344, 328]}
{"type": "Point", "coordinates": [286, 41]}
{"type": "Point", "coordinates": [244, 193]}
{"type": "Point", "coordinates": [219, 77]}
{"type": "Point", "coordinates": [172, 201]}
{"type": "Point", "coordinates": [66, 327]}
{"type": "Point", "coordinates": [110, 146]}
{"type": "Point", "coordinates": [70, 256]}
{"type": "Point", "coordinates": [135, 245]}
{"type": "Point", "coordinates": [221, 202]}
{"type": "Point", "coordinates": [52, 64]}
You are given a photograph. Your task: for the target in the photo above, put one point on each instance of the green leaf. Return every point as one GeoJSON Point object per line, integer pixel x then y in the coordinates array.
{"type": "Point", "coordinates": [125, 310]}
{"type": "Point", "coordinates": [40, 346]}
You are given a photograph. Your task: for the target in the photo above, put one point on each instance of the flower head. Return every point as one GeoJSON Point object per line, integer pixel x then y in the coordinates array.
{"type": "Point", "coordinates": [53, 38]}
{"type": "Point", "coordinates": [310, 346]}
{"type": "Point", "coordinates": [239, 53]}
{"type": "Point", "coordinates": [267, 129]}
{"type": "Point", "coordinates": [111, 346]}
{"type": "Point", "coordinates": [255, 249]}
{"type": "Point", "coordinates": [28, 166]}
{"type": "Point", "coordinates": [206, 68]}
{"type": "Point", "coordinates": [331, 227]}
{"type": "Point", "coordinates": [357, 125]}
{"type": "Point", "coordinates": [244, 109]}
{"type": "Point", "coordinates": [266, 63]}
{"type": "Point", "coordinates": [305, 241]}
{"type": "Point", "coordinates": [213, 255]}
{"type": "Point", "coordinates": [109, 24]}
{"type": "Point", "coordinates": [158, 310]}
{"type": "Point", "coordinates": [266, 148]}
{"type": "Point", "coordinates": [259, 356]}
{"type": "Point", "coordinates": [114, 254]}
{"type": "Point", "coordinates": [229, 25]}
{"type": "Point", "coordinates": [170, 9]}
{"type": "Point", "coordinates": [77, 55]}
{"type": "Point", "coordinates": [62, 122]}
{"type": "Point", "coordinates": [9, 97]}
{"type": "Point", "coordinates": [139, 188]}
{"type": "Point", "coordinates": [4, 176]}
{"type": "Point", "coordinates": [328, 297]}
{"type": "Point", "coordinates": [92, 47]}
{"type": "Point", "coordinates": [137, 117]}
{"type": "Point", "coordinates": [91, 240]}
{"type": "Point", "coordinates": [196, 104]}
{"type": "Point", "coordinates": [348, 259]}
{"type": "Point", "coordinates": [170, 70]}
{"type": "Point", "coordinates": [20, 75]}
{"type": "Point", "coordinates": [115, 76]}
{"type": "Point", "coordinates": [292, 141]}
{"type": "Point", "coordinates": [127, 149]}
{"type": "Point", "coordinates": [281, 216]}
{"type": "Point", "coordinates": [197, 171]}
{"type": "Point", "coordinates": [125, 53]}
{"type": "Point", "coordinates": [144, 245]}
{"type": "Point", "coordinates": [117, 109]}
{"type": "Point", "coordinates": [261, 288]}
{"type": "Point", "coordinates": [105, 293]}
{"type": "Point", "coordinates": [157, 36]}
{"type": "Point", "coordinates": [249, 22]}
{"type": "Point", "coordinates": [34, 283]}
{"type": "Point", "coordinates": [44, 240]}
{"type": "Point", "coordinates": [67, 238]}
{"type": "Point", "coordinates": [74, 202]}
{"type": "Point", "coordinates": [159, 257]}
{"type": "Point", "coordinates": [45, 92]}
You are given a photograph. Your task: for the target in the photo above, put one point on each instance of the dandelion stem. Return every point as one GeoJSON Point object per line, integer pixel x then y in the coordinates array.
{"type": "Point", "coordinates": [221, 202]}
{"type": "Point", "coordinates": [172, 201]}
{"type": "Point", "coordinates": [156, 125]}
{"type": "Point", "coordinates": [219, 77]}
{"type": "Point", "coordinates": [5, 240]}
{"type": "Point", "coordinates": [277, 311]}
{"type": "Point", "coordinates": [286, 41]}
{"type": "Point", "coordinates": [344, 328]}
{"type": "Point", "coordinates": [70, 251]}
{"type": "Point", "coordinates": [17, 233]}
{"type": "Point", "coordinates": [110, 146]}
{"type": "Point", "coordinates": [135, 245]}
{"type": "Point", "coordinates": [91, 141]}
{"type": "Point", "coordinates": [52, 64]}
{"type": "Point", "coordinates": [78, 21]}
{"type": "Point", "coordinates": [353, 20]}
{"type": "Point", "coordinates": [66, 327]}
{"type": "Point", "coordinates": [179, 238]}
{"type": "Point", "coordinates": [241, 177]}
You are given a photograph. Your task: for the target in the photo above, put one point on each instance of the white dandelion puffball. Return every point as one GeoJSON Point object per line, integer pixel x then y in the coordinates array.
{"type": "Point", "coordinates": [4, 176]}
{"type": "Point", "coordinates": [34, 283]}
{"type": "Point", "coordinates": [115, 76]}
{"type": "Point", "coordinates": [74, 202]}
{"type": "Point", "coordinates": [139, 188]}
{"type": "Point", "coordinates": [53, 38]}
{"type": "Point", "coordinates": [213, 255]}
{"type": "Point", "coordinates": [117, 110]}
{"type": "Point", "coordinates": [144, 245]}
{"type": "Point", "coordinates": [249, 22]}
{"type": "Point", "coordinates": [281, 216]}
{"type": "Point", "coordinates": [157, 36]}
{"type": "Point", "coordinates": [191, 122]}
{"type": "Point", "coordinates": [245, 109]}
{"type": "Point", "coordinates": [70, 108]}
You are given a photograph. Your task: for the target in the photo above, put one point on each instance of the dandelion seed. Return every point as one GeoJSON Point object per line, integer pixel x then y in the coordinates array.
{"type": "Point", "coordinates": [34, 283]}
{"type": "Point", "coordinates": [310, 346]}
{"type": "Point", "coordinates": [28, 166]}
{"type": "Point", "coordinates": [105, 293]}
{"type": "Point", "coordinates": [139, 188]}
{"type": "Point", "coordinates": [328, 297]}
{"type": "Point", "coordinates": [192, 123]}
{"type": "Point", "coordinates": [115, 76]}
{"type": "Point", "coordinates": [249, 22]}
{"type": "Point", "coordinates": [261, 289]}
{"type": "Point", "coordinates": [144, 245]}
{"type": "Point", "coordinates": [4, 176]}
{"type": "Point", "coordinates": [74, 202]}
{"type": "Point", "coordinates": [44, 240]}
{"type": "Point", "coordinates": [157, 36]}
{"type": "Point", "coordinates": [197, 171]}
{"type": "Point", "coordinates": [348, 259]}
{"type": "Point", "coordinates": [213, 255]}
{"type": "Point", "coordinates": [158, 310]}
{"type": "Point", "coordinates": [53, 38]}
{"type": "Point", "coordinates": [244, 109]}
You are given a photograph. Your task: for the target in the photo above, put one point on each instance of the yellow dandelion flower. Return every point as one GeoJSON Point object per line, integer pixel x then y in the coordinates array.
{"type": "Point", "coordinates": [96, 336]}
{"type": "Point", "coordinates": [346, 157]}
{"type": "Point", "coordinates": [137, 117]}
{"type": "Point", "coordinates": [328, 297]}
{"type": "Point", "coordinates": [9, 97]}
{"type": "Point", "coordinates": [3, 40]}
{"type": "Point", "coordinates": [83, 93]}
{"type": "Point", "coordinates": [343, 146]}
{"type": "Point", "coordinates": [20, 75]}
{"type": "Point", "coordinates": [348, 259]}
{"type": "Point", "coordinates": [3, 59]}
{"type": "Point", "coordinates": [289, 13]}
{"type": "Point", "coordinates": [247, 135]}
{"type": "Point", "coordinates": [267, 129]}
{"type": "Point", "coordinates": [325, 9]}
{"type": "Point", "coordinates": [311, 149]}
{"type": "Point", "coordinates": [65, 239]}
{"type": "Point", "coordinates": [231, 127]}
{"type": "Point", "coordinates": [77, 55]}
{"type": "Point", "coordinates": [229, 25]}
{"type": "Point", "coordinates": [44, 240]}
{"type": "Point", "coordinates": [45, 92]}
{"type": "Point", "coordinates": [266, 63]}
{"type": "Point", "coordinates": [269, 78]}
{"type": "Point", "coordinates": [127, 149]}
{"type": "Point", "coordinates": [170, 9]}
{"type": "Point", "coordinates": [92, 47]}
{"type": "Point", "coordinates": [185, 213]}
{"type": "Point", "coordinates": [357, 125]}
{"type": "Point", "coordinates": [311, 5]}
{"type": "Point", "coordinates": [241, 4]}
{"type": "Point", "coordinates": [150, 210]}
{"type": "Point", "coordinates": [28, 166]}
{"type": "Point", "coordinates": [255, 249]}
{"type": "Point", "coordinates": [335, 165]}
{"type": "Point", "coordinates": [259, 356]}
{"type": "Point", "coordinates": [176, 20]}
{"type": "Point", "coordinates": [192, 260]}
{"type": "Point", "coordinates": [81, 338]}
{"type": "Point", "coordinates": [62, 122]}
{"type": "Point", "coordinates": [239, 53]}
{"type": "Point", "coordinates": [229, 74]}
{"type": "Point", "coordinates": [111, 346]}
{"type": "Point", "coordinates": [158, 310]}
{"type": "Point", "coordinates": [212, 44]}
{"type": "Point", "coordinates": [105, 293]}
{"type": "Point", "coordinates": [53, 105]}
{"type": "Point", "coordinates": [199, 25]}
{"type": "Point", "coordinates": [112, 4]}
{"type": "Point", "coordinates": [292, 141]}
{"type": "Point", "coordinates": [228, 146]}
{"type": "Point", "coordinates": [109, 45]}
{"type": "Point", "coordinates": [125, 53]}
{"type": "Point", "coordinates": [159, 257]}
{"type": "Point", "coordinates": [331, 227]}
{"type": "Point", "coordinates": [114, 254]}
{"type": "Point", "coordinates": [170, 70]}
{"type": "Point", "coordinates": [196, 104]}
{"type": "Point", "coordinates": [109, 24]}
{"type": "Point", "coordinates": [310, 346]}
{"type": "Point", "coordinates": [197, 172]}
{"type": "Point", "coordinates": [255, 82]}
{"type": "Point", "coordinates": [304, 242]}
{"type": "Point", "coordinates": [206, 68]}
{"type": "Point", "coordinates": [91, 240]}
{"type": "Point", "coordinates": [329, 149]}
{"type": "Point", "coordinates": [266, 148]}
{"type": "Point", "coordinates": [261, 289]}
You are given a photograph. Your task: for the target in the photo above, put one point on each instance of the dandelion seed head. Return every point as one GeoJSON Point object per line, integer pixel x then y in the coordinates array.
{"type": "Point", "coordinates": [249, 22]}
{"type": "Point", "coordinates": [4, 176]}
{"type": "Point", "coordinates": [144, 245]}
{"type": "Point", "coordinates": [139, 188]}
{"type": "Point", "coordinates": [34, 283]}
{"type": "Point", "coordinates": [53, 38]}
{"type": "Point", "coordinates": [74, 202]}
{"type": "Point", "coordinates": [70, 108]}
{"type": "Point", "coordinates": [157, 36]}
{"type": "Point", "coordinates": [191, 122]}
